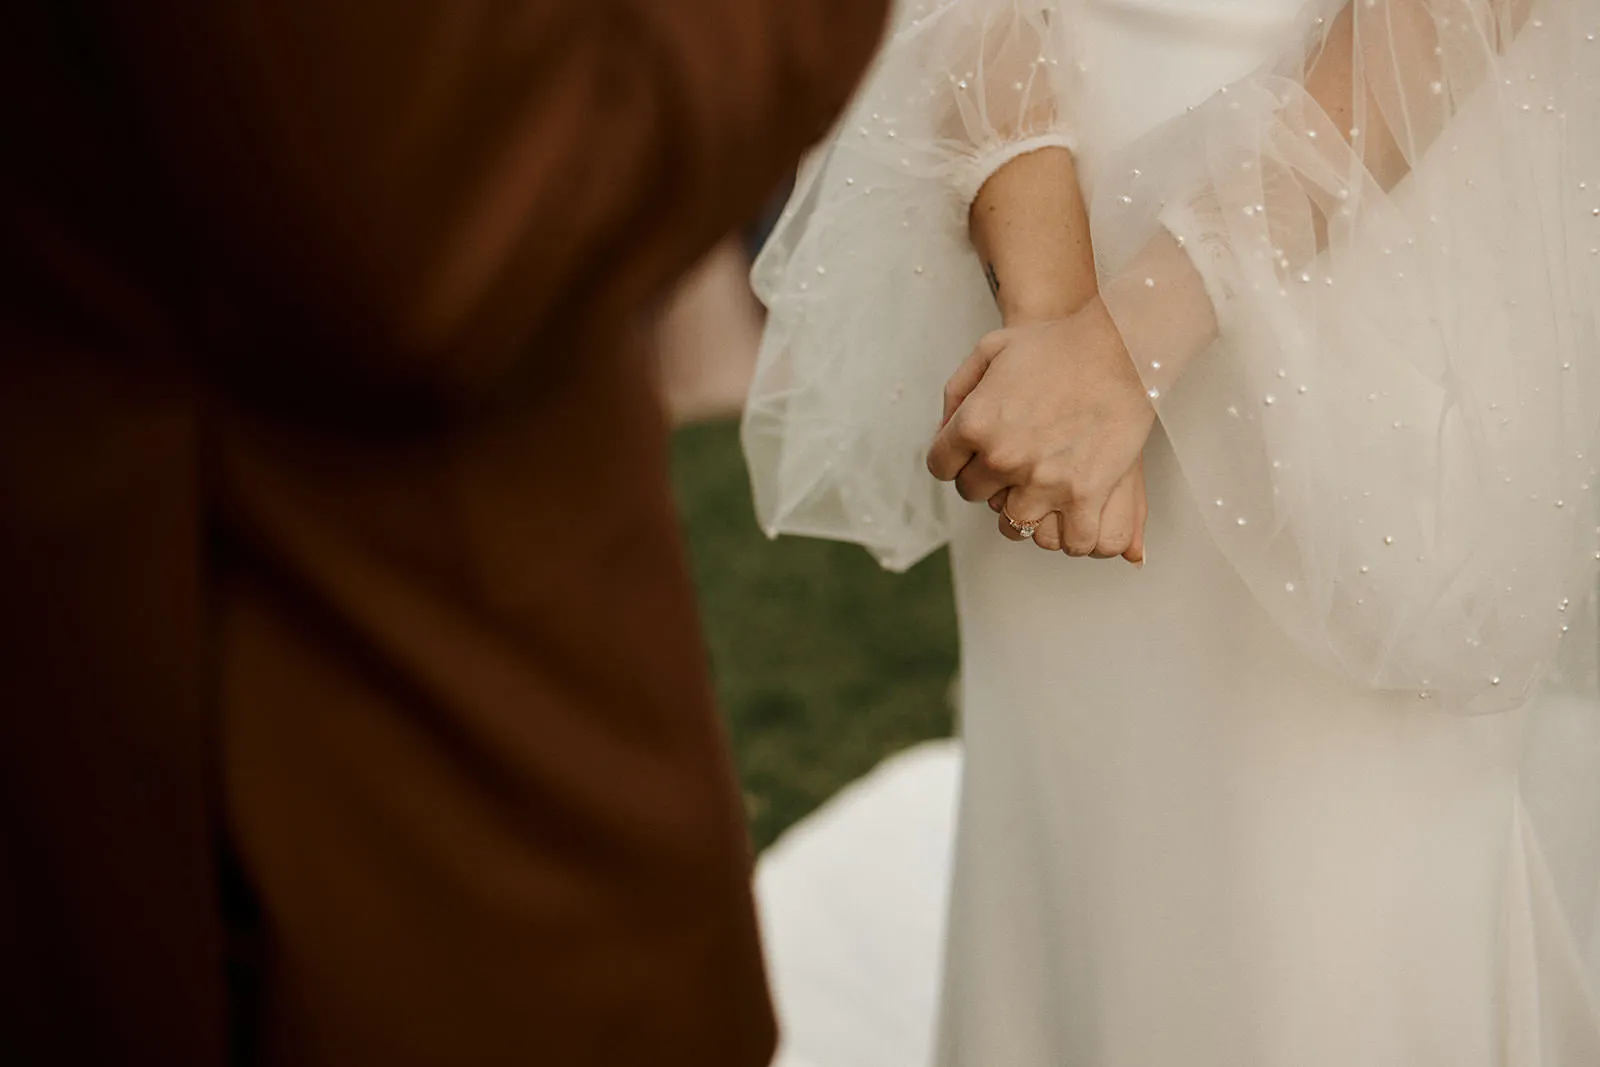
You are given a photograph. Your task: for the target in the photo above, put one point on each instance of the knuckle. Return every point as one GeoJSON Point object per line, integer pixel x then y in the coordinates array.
{"type": "Point", "coordinates": [1116, 542]}
{"type": "Point", "coordinates": [973, 423]}
{"type": "Point", "coordinates": [1089, 485]}
{"type": "Point", "coordinates": [1057, 480]}
{"type": "Point", "coordinates": [1007, 457]}
{"type": "Point", "coordinates": [1080, 540]}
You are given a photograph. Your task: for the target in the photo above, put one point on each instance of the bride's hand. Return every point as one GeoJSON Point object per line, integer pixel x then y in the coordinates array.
{"type": "Point", "coordinates": [1054, 415]}
{"type": "Point", "coordinates": [1121, 521]}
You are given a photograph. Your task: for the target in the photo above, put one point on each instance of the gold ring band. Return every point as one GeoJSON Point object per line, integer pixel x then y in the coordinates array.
{"type": "Point", "coordinates": [1026, 529]}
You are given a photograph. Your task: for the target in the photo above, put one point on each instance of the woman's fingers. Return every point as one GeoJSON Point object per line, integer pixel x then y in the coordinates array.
{"type": "Point", "coordinates": [1008, 531]}
{"type": "Point", "coordinates": [1114, 529]}
{"type": "Point", "coordinates": [1017, 413]}
{"type": "Point", "coordinates": [978, 481]}
{"type": "Point", "coordinates": [1048, 535]}
{"type": "Point", "coordinates": [1135, 553]}
{"type": "Point", "coordinates": [1028, 504]}
{"type": "Point", "coordinates": [949, 455]}
{"type": "Point", "coordinates": [1073, 524]}
{"type": "Point", "coordinates": [1046, 532]}
{"type": "Point", "coordinates": [1119, 519]}
{"type": "Point", "coordinates": [967, 376]}
{"type": "Point", "coordinates": [1044, 529]}
{"type": "Point", "coordinates": [1082, 531]}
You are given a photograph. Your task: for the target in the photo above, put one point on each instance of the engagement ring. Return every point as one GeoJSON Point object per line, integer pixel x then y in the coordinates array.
{"type": "Point", "coordinates": [1026, 529]}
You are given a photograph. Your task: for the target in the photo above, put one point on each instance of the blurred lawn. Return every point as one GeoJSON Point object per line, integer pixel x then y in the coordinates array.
{"type": "Point", "coordinates": [825, 664]}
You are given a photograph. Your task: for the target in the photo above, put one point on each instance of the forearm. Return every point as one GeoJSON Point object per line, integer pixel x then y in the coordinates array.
{"type": "Point", "coordinates": [1030, 227]}
{"type": "Point", "coordinates": [1381, 78]}
{"type": "Point", "coordinates": [1389, 78]}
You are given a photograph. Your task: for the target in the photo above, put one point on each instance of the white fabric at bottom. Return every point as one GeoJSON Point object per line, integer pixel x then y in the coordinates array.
{"type": "Point", "coordinates": [1184, 843]}
{"type": "Point", "coordinates": [1195, 850]}
{"type": "Point", "coordinates": [853, 904]}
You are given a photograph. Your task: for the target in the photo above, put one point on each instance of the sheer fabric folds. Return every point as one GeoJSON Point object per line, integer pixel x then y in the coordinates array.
{"type": "Point", "coordinates": [1391, 422]}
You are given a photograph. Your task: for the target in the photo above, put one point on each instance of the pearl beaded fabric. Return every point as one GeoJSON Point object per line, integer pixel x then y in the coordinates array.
{"type": "Point", "coordinates": [1404, 409]}
{"type": "Point", "coordinates": [1392, 437]}
{"type": "Point", "coordinates": [873, 292]}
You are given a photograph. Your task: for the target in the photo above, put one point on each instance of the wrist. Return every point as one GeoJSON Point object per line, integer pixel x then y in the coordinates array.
{"type": "Point", "coordinates": [1025, 309]}
{"type": "Point", "coordinates": [1105, 324]}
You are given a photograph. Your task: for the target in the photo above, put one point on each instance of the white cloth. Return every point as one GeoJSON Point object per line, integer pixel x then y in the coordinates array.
{"type": "Point", "coordinates": [853, 903]}
{"type": "Point", "coordinates": [1226, 812]}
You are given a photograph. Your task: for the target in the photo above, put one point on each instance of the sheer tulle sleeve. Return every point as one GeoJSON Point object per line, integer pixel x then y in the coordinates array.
{"type": "Point", "coordinates": [1392, 428]}
{"type": "Point", "coordinates": [873, 292]}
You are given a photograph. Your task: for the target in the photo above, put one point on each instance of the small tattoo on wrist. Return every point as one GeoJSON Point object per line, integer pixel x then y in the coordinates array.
{"type": "Point", "coordinates": [993, 279]}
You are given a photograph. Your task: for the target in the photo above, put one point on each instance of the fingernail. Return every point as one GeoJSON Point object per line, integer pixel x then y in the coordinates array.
{"type": "Point", "coordinates": [1138, 563]}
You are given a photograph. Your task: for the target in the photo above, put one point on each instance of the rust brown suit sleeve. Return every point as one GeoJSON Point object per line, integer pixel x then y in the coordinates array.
{"type": "Point", "coordinates": [453, 748]}
{"type": "Point", "coordinates": [447, 179]}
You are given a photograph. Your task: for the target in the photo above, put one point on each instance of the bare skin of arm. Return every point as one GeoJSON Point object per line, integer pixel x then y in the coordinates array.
{"type": "Point", "coordinates": [1036, 252]}
{"type": "Point", "coordinates": [1177, 317]}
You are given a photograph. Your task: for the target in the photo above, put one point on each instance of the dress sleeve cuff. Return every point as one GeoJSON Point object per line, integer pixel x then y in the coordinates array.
{"type": "Point", "coordinates": [974, 171]}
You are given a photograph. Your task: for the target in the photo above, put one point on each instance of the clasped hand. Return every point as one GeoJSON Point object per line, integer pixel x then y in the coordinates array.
{"type": "Point", "coordinates": [1047, 421]}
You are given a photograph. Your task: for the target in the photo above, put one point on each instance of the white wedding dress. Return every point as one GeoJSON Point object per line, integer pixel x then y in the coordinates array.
{"type": "Point", "coordinates": [1320, 786]}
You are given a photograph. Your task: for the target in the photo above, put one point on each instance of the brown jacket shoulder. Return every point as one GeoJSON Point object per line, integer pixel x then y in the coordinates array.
{"type": "Point", "coordinates": [327, 728]}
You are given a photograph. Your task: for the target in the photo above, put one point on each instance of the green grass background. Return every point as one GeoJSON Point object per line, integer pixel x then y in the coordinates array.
{"type": "Point", "coordinates": [824, 663]}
